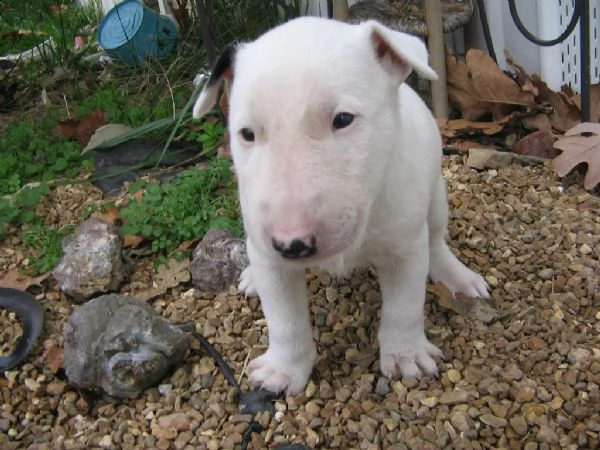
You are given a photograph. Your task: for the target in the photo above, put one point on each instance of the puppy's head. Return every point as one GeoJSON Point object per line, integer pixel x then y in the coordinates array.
{"type": "Point", "coordinates": [313, 121]}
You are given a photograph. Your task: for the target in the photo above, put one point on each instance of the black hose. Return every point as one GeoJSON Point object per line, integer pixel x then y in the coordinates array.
{"type": "Point", "coordinates": [546, 43]}
{"type": "Point", "coordinates": [486, 30]}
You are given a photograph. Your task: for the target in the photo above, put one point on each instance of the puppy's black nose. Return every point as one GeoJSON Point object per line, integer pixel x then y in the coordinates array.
{"type": "Point", "coordinates": [296, 248]}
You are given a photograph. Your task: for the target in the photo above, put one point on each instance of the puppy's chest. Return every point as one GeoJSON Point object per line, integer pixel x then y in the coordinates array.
{"type": "Point", "coordinates": [345, 263]}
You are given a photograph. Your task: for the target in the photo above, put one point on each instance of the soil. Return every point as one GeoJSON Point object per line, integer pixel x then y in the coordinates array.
{"type": "Point", "coordinates": [529, 378]}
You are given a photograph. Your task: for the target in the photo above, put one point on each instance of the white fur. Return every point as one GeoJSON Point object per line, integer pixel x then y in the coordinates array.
{"type": "Point", "coordinates": [370, 194]}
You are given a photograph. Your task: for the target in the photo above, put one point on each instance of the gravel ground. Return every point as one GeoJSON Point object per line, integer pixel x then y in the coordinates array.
{"type": "Point", "coordinates": [528, 379]}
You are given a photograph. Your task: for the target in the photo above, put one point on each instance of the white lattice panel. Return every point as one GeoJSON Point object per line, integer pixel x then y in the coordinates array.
{"type": "Point", "coordinates": [570, 49]}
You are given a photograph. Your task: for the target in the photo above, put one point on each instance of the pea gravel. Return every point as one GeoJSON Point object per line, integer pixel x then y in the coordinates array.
{"type": "Point", "coordinates": [527, 379]}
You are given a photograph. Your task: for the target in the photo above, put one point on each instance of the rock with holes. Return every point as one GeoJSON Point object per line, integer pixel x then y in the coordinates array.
{"type": "Point", "coordinates": [91, 262]}
{"type": "Point", "coordinates": [120, 345]}
{"type": "Point", "coordinates": [218, 261]}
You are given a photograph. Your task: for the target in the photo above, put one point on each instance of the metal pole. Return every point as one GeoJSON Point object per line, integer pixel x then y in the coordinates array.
{"type": "Point", "coordinates": [435, 41]}
{"type": "Point", "coordinates": [584, 45]}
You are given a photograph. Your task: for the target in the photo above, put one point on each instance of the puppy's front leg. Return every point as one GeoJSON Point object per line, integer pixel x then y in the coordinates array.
{"type": "Point", "coordinates": [404, 348]}
{"type": "Point", "coordinates": [288, 362]}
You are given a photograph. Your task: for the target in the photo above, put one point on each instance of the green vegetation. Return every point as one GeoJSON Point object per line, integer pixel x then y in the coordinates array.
{"type": "Point", "coordinates": [152, 97]}
{"type": "Point", "coordinates": [185, 207]}
{"type": "Point", "coordinates": [44, 245]}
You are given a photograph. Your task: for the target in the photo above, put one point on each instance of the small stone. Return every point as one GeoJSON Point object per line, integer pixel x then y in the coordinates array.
{"type": "Point", "coordinates": [454, 376]}
{"type": "Point", "coordinates": [341, 395]}
{"type": "Point", "coordinates": [32, 385]}
{"type": "Point", "coordinates": [454, 397]}
{"type": "Point", "coordinates": [430, 402]}
{"type": "Point", "coordinates": [493, 421]}
{"type": "Point", "coordinates": [556, 403]}
{"type": "Point", "coordinates": [178, 421]}
{"type": "Point", "coordinates": [91, 262]}
{"type": "Point", "coordinates": [383, 386]}
{"type": "Point", "coordinates": [106, 441]}
{"type": "Point", "coordinates": [325, 390]}
{"type": "Point", "coordinates": [56, 388]}
{"type": "Point", "coordinates": [462, 421]}
{"type": "Point", "coordinates": [546, 274]}
{"type": "Point", "coordinates": [525, 394]}
{"type": "Point", "coordinates": [183, 439]}
{"type": "Point", "coordinates": [481, 158]}
{"type": "Point", "coordinates": [578, 355]}
{"type": "Point", "coordinates": [218, 261]}
{"type": "Point", "coordinates": [519, 425]}
{"type": "Point", "coordinates": [547, 435]}
{"type": "Point", "coordinates": [165, 389]}
{"type": "Point", "coordinates": [312, 409]}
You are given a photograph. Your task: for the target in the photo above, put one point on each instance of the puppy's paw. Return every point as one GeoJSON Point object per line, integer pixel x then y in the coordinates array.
{"type": "Point", "coordinates": [458, 278]}
{"type": "Point", "coordinates": [419, 362]}
{"type": "Point", "coordinates": [277, 376]}
{"type": "Point", "coordinates": [246, 284]}
{"type": "Point", "coordinates": [470, 284]}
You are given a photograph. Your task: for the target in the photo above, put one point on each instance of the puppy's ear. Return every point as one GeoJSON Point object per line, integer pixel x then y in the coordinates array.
{"type": "Point", "coordinates": [400, 53]}
{"type": "Point", "coordinates": [223, 70]}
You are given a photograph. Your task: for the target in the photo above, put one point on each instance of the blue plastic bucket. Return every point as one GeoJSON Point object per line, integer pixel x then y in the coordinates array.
{"type": "Point", "coordinates": [132, 32]}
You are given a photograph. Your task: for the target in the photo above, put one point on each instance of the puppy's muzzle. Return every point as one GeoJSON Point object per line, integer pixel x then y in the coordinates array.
{"type": "Point", "coordinates": [296, 248]}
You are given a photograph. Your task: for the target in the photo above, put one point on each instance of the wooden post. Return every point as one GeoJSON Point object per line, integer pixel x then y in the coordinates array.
{"type": "Point", "coordinates": [340, 9]}
{"type": "Point", "coordinates": [435, 42]}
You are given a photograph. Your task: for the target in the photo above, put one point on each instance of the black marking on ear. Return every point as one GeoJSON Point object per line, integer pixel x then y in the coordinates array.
{"type": "Point", "coordinates": [223, 65]}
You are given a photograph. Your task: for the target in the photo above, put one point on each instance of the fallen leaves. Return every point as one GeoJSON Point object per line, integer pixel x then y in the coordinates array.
{"type": "Point", "coordinates": [519, 112]}
{"type": "Point", "coordinates": [16, 280]}
{"type": "Point", "coordinates": [478, 87]}
{"type": "Point", "coordinates": [580, 144]}
{"type": "Point", "coordinates": [82, 129]}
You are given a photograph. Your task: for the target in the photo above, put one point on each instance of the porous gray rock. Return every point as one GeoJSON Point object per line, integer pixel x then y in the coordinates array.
{"type": "Point", "coordinates": [218, 261]}
{"type": "Point", "coordinates": [91, 262]}
{"type": "Point", "coordinates": [120, 345]}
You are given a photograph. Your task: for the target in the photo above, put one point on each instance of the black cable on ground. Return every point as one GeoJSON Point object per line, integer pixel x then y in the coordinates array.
{"type": "Point", "coordinates": [579, 5]}
{"type": "Point", "coordinates": [486, 30]}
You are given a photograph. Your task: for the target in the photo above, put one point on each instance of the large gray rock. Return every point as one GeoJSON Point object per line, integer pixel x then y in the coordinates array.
{"type": "Point", "coordinates": [218, 261]}
{"type": "Point", "coordinates": [120, 345]}
{"type": "Point", "coordinates": [91, 262]}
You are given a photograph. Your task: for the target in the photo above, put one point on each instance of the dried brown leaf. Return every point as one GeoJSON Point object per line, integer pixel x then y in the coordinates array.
{"type": "Point", "coordinates": [111, 217]}
{"type": "Point", "coordinates": [537, 122]}
{"type": "Point", "coordinates": [82, 129]}
{"type": "Point", "coordinates": [88, 126]}
{"type": "Point", "coordinates": [565, 113]}
{"type": "Point", "coordinates": [580, 144]}
{"type": "Point", "coordinates": [16, 280]}
{"type": "Point", "coordinates": [132, 241]}
{"type": "Point", "coordinates": [594, 102]}
{"type": "Point", "coordinates": [522, 77]}
{"type": "Point", "coordinates": [479, 86]}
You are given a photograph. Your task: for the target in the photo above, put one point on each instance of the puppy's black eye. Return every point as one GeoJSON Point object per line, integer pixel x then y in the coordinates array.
{"type": "Point", "coordinates": [247, 134]}
{"type": "Point", "coordinates": [342, 120]}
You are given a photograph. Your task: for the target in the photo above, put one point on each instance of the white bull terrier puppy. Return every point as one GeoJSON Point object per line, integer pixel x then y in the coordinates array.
{"type": "Point", "coordinates": [339, 165]}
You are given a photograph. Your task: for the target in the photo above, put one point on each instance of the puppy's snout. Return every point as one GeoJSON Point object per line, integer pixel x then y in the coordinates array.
{"type": "Point", "coordinates": [297, 247]}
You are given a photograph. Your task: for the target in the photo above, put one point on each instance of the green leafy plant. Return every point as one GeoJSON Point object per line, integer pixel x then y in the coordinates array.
{"type": "Point", "coordinates": [185, 207]}
{"type": "Point", "coordinates": [44, 245]}
{"type": "Point", "coordinates": [30, 151]}
{"type": "Point", "coordinates": [20, 207]}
